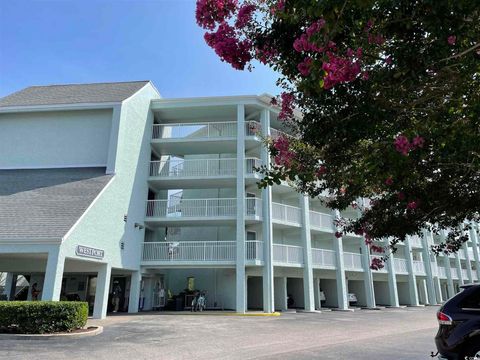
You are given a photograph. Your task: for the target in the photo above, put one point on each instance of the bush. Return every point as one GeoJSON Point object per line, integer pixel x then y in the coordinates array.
{"type": "Point", "coordinates": [39, 317]}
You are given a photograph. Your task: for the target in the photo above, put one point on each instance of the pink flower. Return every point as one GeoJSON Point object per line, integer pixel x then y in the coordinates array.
{"type": "Point", "coordinates": [388, 60]}
{"type": "Point", "coordinates": [412, 205]}
{"type": "Point", "coordinates": [402, 145]}
{"type": "Point", "coordinates": [287, 106]}
{"type": "Point", "coordinates": [389, 181]}
{"type": "Point", "coordinates": [452, 39]}
{"type": "Point", "coordinates": [302, 44]}
{"type": "Point", "coordinates": [279, 6]}
{"type": "Point", "coordinates": [304, 66]}
{"type": "Point", "coordinates": [418, 142]}
{"type": "Point", "coordinates": [321, 171]}
{"type": "Point", "coordinates": [369, 25]}
{"type": "Point", "coordinates": [315, 27]}
{"type": "Point", "coordinates": [339, 70]}
{"type": "Point", "coordinates": [244, 15]}
{"type": "Point", "coordinates": [376, 264]}
{"type": "Point", "coordinates": [376, 39]}
{"type": "Point", "coordinates": [365, 75]}
{"type": "Point", "coordinates": [284, 155]}
{"type": "Point", "coordinates": [210, 12]}
{"type": "Point", "coordinates": [228, 46]}
{"type": "Point", "coordinates": [377, 249]}
{"type": "Point", "coordinates": [338, 234]}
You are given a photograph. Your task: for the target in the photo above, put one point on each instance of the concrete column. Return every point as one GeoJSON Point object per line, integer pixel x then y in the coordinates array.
{"type": "Point", "coordinates": [8, 284]}
{"type": "Point", "coordinates": [448, 270]}
{"type": "Point", "coordinates": [340, 273]}
{"type": "Point", "coordinates": [432, 296]}
{"type": "Point", "coordinates": [458, 264]}
{"type": "Point", "coordinates": [438, 290]}
{"type": "Point", "coordinates": [412, 280]}
{"type": "Point", "coordinates": [309, 299]}
{"type": "Point", "coordinates": [240, 232]}
{"type": "Point", "coordinates": [392, 282]}
{"type": "Point", "coordinates": [476, 253]}
{"type": "Point", "coordinates": [134, 295]}
{"type": "Point", "coordinates": [281, 293]}
{"type": "Point", "coordinates": [52, 284]}
{"type": "Point", "coordinates": [469, 264]}
{"type": "Point", "coordinates": [423, 290]}
{"type": "Point", "coordinates": [267, 227]}
{"type": "Point", "coordinates": [101, 293]}
{"type": "Point", "coordinates": [367, 272]}
{"type": "Point", "coordinates": [316, 291]}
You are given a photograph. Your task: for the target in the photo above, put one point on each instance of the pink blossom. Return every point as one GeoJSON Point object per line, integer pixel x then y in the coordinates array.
{"type": "Point", "coordinates": [365, 75]}
{"type": "Point", "coordinates": [210, 12]}
{"type": "Point", "coordinates": [377, 249]}
{"type": "Point", "coordinates": [402, 145]}
{"type": "Point", "coordinates": [302, 44]}
{"type": "Point", "coordinates": [321, 171]}
{"type": "Point", "coordinates": [304, 66]}
{"type": "Point", "coordinates": [287, 106]}
{"type": "Point", "coordinates": [244, 15]}
{"type": "Point", "coordinates": [315, 27]}
{"type": "Point", "coordinates": [452, 39]}
{"type": "Point", "coordinates": [228, 46]}
{"type": "Point", "coordinates": [376, 39]}
{"type": "Point", "coordinates": [369, 25]}
{"type": "Point", "coordinates": [412, 205]}
{"type": "Point", "coordinates": [376, 264]}
{"type": "Point", "coordinates": [388, 60]}
{"type": "Point", "coordinates": [389, 181]}
{"type": "Point", "coordinates": [339, 70]}
{"type": "Point", "coordinates": [279, 6]}
{"type": "Point", "coordinates": [418, 142]}
{"type": "Point", "coordinates": [284, 155]}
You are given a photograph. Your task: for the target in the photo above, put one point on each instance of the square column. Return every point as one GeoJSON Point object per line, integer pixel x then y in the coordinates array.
{"type": "Point", "coordinates": [432, 296]}
{"type": "Point", "coordinates": [281, 293]}
{"type": "Point", "coordinates": [340, 273]}
{"type": "Point", "coordinates": [467, 259]}
{"type": "Point", "coordinates": [476, 253]}
{"type": "Point", "coordinates": [448, 268]}
{"type": "Point", "coordinates": [52, 285]}
{"type": "Point", "coordinates": [134, 295]}
{"type": "Point", "coordinates": [240, 232]}
{"type": "Point", "coordinates": [458, 264]}
{"type": "Point", "coordinates": [412, 280]}
{"type": "Point", "coordinates": [10, 279]}
{"type": "Point", "coordinates": [392, 282]}
{"type": "Point", "coordinates": [367, 272]}
{"type": "Point", "coordinates": [101, 293]}
{"type": "Point", "coordinates": [316, 291]}
{"type": "Point", "coordinates": [308, 296]}
{"type": "Point", "coordinates": [267, 226]}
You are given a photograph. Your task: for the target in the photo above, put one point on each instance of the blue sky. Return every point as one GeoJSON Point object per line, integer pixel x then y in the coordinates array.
{"type": "Point", "coordinates": [55, 42]}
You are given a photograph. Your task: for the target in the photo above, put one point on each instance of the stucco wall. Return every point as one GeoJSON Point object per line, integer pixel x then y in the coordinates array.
{"type": "Point", "coordinates": [55, 139]}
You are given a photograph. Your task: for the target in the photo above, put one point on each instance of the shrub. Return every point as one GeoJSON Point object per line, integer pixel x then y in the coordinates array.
{"type": "Point", "coordinates": [39, 317]}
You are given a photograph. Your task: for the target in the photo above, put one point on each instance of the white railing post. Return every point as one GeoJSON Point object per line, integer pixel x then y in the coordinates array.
{"type": "Point", "coordinates": [412, 280]}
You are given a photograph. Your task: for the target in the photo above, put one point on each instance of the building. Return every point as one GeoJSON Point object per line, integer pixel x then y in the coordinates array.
{"type": "Point", "coordinates": [109, 183]}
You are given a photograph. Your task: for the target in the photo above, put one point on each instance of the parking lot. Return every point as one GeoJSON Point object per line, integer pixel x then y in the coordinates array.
{"type": "Point", "coordinates": [364, 334]}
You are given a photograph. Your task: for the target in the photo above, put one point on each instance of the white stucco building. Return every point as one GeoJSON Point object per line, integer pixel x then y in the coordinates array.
{"type": "Point", "coordinates": [110, 182]}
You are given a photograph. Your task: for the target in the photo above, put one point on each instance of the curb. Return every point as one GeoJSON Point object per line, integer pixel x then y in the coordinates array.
{"type": "Point", "coordinates": [93, 331]}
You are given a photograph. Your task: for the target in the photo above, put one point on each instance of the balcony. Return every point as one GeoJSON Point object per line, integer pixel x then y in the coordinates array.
{"type": "Point", "coordinates": [352, 261]}
{"type": "Point", "coordinates": [185, 212]}
{"type": "Point", "coordinates": [286, 215]}
{"type": "Point", "coordinates": [418, 267]}
{"type": "Point", "coordinates": [201, 137]}
{"type": "Point", "coordinates": [185, 253]}
{"type": "Point", "coordinates": [400, 266]}
{"type": "Point", "coordinates": [320, 222]}
{"type": "Point", "coordinates": [200, 173]}
{"type": "Point", "coordinates": [465, 275]}
{"type": "Point", "coordinates": [461, 254]}
{"type": "Point", "coordinates": [324, 259]}
{"type": "Point", "coordinates": [442, 272]}
{"type": "Point", "coordinates": [454, 273]}
{"type": "Point", "coordinates": [287, 255]}
{"type": "Point", "coordinates": [416, 241]}
{"type": "Point", "coordinates": [474, 275]}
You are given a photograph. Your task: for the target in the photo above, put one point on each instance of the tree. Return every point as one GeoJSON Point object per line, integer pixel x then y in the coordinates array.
{"type": "Point", "coordinates": [389, 98]}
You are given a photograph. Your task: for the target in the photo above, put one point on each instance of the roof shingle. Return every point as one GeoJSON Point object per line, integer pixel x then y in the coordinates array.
{"type": "Point", "coordinates": [72, 94]}
{"type": "Point", "coordinates": [45, 203]}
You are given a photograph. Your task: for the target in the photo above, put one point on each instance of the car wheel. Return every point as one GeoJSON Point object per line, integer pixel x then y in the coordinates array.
{"type": "Point", "coordinates": [472, 351]}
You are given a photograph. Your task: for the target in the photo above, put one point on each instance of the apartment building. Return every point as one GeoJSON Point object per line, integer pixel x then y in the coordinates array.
{"type": "Point", "coordinates": [107, 183]}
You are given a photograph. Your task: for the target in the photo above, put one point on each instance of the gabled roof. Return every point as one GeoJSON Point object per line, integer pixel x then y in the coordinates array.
{"type": "Point", "coordinates": [73, 94]}
{"type": "Point", "coordinates": [43, 204]}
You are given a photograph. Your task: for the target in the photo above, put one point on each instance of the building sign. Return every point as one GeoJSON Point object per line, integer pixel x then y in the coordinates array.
{"type": "Point", "coordinates": [86, 251]}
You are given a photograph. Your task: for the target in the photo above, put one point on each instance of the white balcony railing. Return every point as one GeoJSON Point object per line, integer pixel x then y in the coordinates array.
{"type": "Point", "coordinates": [320, 221]}
{"type": "Point", "coordinates": [200, 167]}
{"type": "Point", "coordinates": [352, 261]}
{"type": "Point", "coordinates": [465, 274]}
{"type": "Point", "coordinates": [323, 258]}
{"type": "Point", "coordinates": [474, 275]}
{"type": "Point", "coordinates": [442, 272]}
{"type": "Point", "coordinates": [288, 254]}
{"type": "Point", "coordinates": [418, 267]}
{"type": "Point", "coordinates": [461, 254]}
{"type": "Point", "coordinates": [400, 266]}
{"type": "Point", "coordinates": [454, 273]}
{"type": "Point", "coordinates": [186, 208]}
{"type": "Point", "coordinates": [286, 214]}
{"type": "Point", "coordinates": [415, 241]}
{"type": "Point", "coordinates": [199, 251]}
{"type": "Point", "coordinates": [195, 130]}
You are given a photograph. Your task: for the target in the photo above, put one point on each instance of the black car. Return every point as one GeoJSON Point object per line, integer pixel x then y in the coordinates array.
{"type": "Point", "coordinates": [459, 318]}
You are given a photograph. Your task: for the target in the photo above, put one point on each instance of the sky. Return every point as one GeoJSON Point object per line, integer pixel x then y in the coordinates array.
{"type": "Point", "coordinates": [85, 41]}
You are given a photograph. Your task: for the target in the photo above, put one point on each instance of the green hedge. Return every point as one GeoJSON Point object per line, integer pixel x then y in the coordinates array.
{"type": "Point", "coordinates": [40, 317]}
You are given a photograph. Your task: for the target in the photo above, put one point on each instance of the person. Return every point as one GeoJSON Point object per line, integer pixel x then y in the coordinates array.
{"type": "Point", "coordinates": [35, 292]}
{"type": "Point", "coordinates": [116, 293]}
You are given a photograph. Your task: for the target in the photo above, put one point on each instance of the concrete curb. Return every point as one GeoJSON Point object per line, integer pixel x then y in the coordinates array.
{"type": "Point", "coordinates": [92, 331]}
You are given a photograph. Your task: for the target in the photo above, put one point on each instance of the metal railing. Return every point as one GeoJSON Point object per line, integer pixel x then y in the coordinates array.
{"type": "Point", "coordinates": [320, 220]}
{"type": "Point", "coordinates": [465, 274]}
{"type": "Point", "coordinates": [454, 273]}
{"type": "Point", "coordinates": [288, 254]}
{"type": "Point", "coordinates": [474, 275]}
{"type": "Point", "coordinates": [200, 167]}
{"type": "Point", "coordinates": [400, 265]}
{"type": "Point", "coordinates": [442, 272]}
{"type": "Point", "coordinates": [195, 130]}
{"type": "Point", "coordinates": [323, 258]}
{"type": "Point", "coordinates": [193, 208]}
{"type": "Point", "coordinates": [418, 267]}
{"type": "Point", "coordinates": [286, 214]}
{"type": "Point", "coordinates": [461, 254]}
{"type": "Point", "coordinates": [254, 250]}
{"type": "Point", "coordinates": [352, 261]}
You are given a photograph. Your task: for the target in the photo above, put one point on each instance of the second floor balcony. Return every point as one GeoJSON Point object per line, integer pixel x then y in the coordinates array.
{"type": "Point", "coordinates": [189, 212]}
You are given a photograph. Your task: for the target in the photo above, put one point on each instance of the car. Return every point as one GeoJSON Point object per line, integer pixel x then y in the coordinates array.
{"type": "Point", "coordinates": [458, 335]}
{"type": "Point", "coordinates": [352, 298]}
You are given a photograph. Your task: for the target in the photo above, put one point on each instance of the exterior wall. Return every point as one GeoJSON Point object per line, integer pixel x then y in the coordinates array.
{"type": "Point", "coordinates": [55, 139]}
{"type": "Point", "coordinates": [102, 226]}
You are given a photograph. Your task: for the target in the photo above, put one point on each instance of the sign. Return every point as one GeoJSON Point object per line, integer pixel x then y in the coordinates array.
{"type": "Point", "coordinates": [86, 251]}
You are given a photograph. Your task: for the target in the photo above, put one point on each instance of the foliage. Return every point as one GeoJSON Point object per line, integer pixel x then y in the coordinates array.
{"type": "Point", "coordinates": [39, 317]}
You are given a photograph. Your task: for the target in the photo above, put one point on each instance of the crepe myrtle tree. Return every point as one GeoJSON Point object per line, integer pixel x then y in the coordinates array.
{"type": "Point", "coordinates": [382, 99]}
